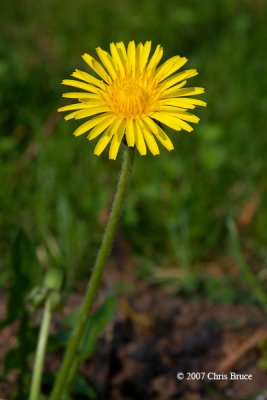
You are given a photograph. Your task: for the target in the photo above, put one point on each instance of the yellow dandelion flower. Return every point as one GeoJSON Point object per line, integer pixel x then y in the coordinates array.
{"type": "Point", "coordinates": [131, 96]}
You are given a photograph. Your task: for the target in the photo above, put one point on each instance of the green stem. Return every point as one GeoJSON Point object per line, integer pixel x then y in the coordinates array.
{"type": "Point", "coordinates": [95, 279]}
{"type": "Point", "coordinates": [40, 352]}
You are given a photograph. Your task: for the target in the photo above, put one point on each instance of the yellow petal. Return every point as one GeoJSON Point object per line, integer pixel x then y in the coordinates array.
{"type": "Point", "coordinates": [168, 92]}
{"type": "Point", "coordinates": [169, 67]}
{"type": "Point", "coordinates": [84, 76]}
{"type": "Point", "coordinates": [90, 124]}
{"type": "Point", "coordinates": [155, 59]}
{"type": "Point", "coordinates": [122, 52]}
{"type": "Point", "coordinates": [159, 133]}
{"type": "Point", "coordinates": [172, 121]}
{"type": "Point", "coordinates": [193, 102]}
{"type": "Point", "coordinates": [139, 51]}
{"type": "Point", "coordinates": [116, 58]}
{"type": "Point", "coordinates": [144, 55]}
{"type": "Point", "coordinates": [167, 120]}
{"type": "Point", "coordinates": [92, 111]}
{"type": "Point", "coordinates": [101, 127]}
{"type": "Point", "coordinates": [80, 95]}
{"type": "Point", "coordinates": [178, 78]}
{"type": "Point", "coordinates": [184, 125]}
{"type": "Point", "coordinates": [131, 57]}
{"type": "Point", "coordinates": [139, 138]}
{"type": "Point", "coordinates": [167, 143]}
{"type": "Point", "coordinates": [103, 142]}
{"type": "Point", "coordinates": [170, 108]}
{"type": "Point", "coordinates": [175, 102]}
{"type": "Point", "coordinates": [130, 133]}
{"type": "Point", "coordinates": [116, 141]}
{"type": "Point", "coordinates": [107, 62]}
{"type": "Point", "coordinates": [96, 67]}
{"type": "Point", "coordinates": [71, 115]}
{"type": "Point", "coordinates": [81, 85]}
{"type": "Point", "coordinates": [186, 116]}
{"type": "Point", "coordinates": [149, 139]}
{"type": "Point", "coordinates": [191, 91]}
{"type": "Point", "coordinates": [80, 106]}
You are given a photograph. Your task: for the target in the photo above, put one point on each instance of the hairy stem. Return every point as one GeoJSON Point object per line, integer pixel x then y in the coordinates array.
{"type": "Point", "coordinates": [95, 279]}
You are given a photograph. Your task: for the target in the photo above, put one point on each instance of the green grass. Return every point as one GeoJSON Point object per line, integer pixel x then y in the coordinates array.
{"type": "Point", "coordinates": [54, 188]}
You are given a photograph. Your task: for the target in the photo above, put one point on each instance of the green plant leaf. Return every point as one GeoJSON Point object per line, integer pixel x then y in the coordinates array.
{"type": "Point", "coordinates": [81, 387]}
{"type": "Point", "coordinates": [95, 326]}
{"type": "Point", "coordinates": [26, 275]}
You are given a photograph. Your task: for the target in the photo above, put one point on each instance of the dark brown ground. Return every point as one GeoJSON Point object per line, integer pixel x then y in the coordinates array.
{"type": "Point", "coordinates": [155, 335]}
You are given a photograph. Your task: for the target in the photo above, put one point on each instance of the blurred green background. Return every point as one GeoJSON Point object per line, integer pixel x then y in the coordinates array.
{"type": "Point", "coordinates": [54, 192]}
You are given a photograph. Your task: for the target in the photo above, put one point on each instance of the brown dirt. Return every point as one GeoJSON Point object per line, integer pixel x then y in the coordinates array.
{"type": "Point", "coordinates": [154, 335]}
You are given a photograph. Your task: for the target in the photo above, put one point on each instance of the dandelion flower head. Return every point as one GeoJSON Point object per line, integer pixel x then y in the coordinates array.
{"type": "Point", "coordinates": [130, 96]}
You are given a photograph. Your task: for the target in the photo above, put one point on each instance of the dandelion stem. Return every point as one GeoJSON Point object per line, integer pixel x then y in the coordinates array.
{"type": "Point", "coordinates": [40, 352]}
{"type": "Point", "coordinates": [95, 279]}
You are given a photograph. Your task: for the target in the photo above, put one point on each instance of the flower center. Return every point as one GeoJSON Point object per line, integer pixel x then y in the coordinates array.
{"type": "Point", "coordinates": [130, 100]}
